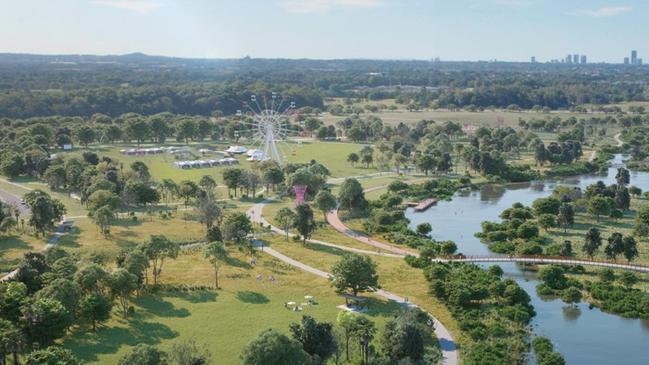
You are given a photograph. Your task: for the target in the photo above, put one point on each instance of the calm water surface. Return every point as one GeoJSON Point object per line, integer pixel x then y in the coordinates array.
{"type": "Point", "coordinates": [583, 336]}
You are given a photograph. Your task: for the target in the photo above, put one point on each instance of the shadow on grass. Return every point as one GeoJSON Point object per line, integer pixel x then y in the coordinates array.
{"type": "Point", "coordinates": [71, 239]}
{"type": "Point", "coordinates": [159, 307]}
{"type": "Point", "coordinates": [325, 249]}
{"type": "Point", "coordinates": [128, 222]}
{"type": "Point", "coordinates": [233, 261]}
{"type": "Point", "coordinates": [13, 243]}
{"type": "Point", "coordinates": [376, 307]}
{"type": "Point", "coordinates": [202, 296]}
{"type": "Point", "coordinates": [252, 297]}
{"type": "Point", "coordinates": [88, 345]}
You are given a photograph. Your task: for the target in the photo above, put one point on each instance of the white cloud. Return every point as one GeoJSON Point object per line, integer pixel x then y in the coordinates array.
{"type": "Point", "coordinates": [314, 6]}
{"type": "Point", "coordinates": [138, 6]}
{"type": "Point", "coordinates": [604, 12]}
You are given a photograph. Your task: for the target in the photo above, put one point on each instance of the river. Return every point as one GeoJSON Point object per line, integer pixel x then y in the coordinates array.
{"type": "Point", "coordinates": [584, 336]}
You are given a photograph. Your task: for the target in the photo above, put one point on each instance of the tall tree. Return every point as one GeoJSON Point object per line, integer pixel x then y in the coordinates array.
{"type": "Point", "coordinates": [353, 158]}
{"type": "Point", "coordinates": [157, 249]}
{"type": "Point", "coordinates": [207, 183]}
{"type": "Point", "coordinates": [355, 273]}
{"type": "Point", "coordinates": [103, 218]}
{"type": "Point", "coordinates": [95, 308]}
{"type": "Point", "coordinates": [216, 253]}
{"type": "Point", "coordinates": [592, 242]}
{"type": "Point", "coordinates": [44, 209]}
{"type": "Point", "coordinates": [143, 354]}
{"type": "Point", "coordinates": [363, 329]}
{"type": "Point", "coordinates": [325, 202]}
{"type": "Point", "coordinates": [274, 348]}
{"type": "Point", "coordinates": [208, 210]}
{"type": "Point", "coordinates": [615, 246]}
{"type": "Point", "coordinates": [317, 338]}
{"type": "Point", "coordinates": [47, 319]}
{"type": "Point", "coordinates": [286, 218]}
{"type": "Point", "coordinates": [304, 222]}
{"type": "Point", "coordinates": [351, 196]}
{"type": "Point", "coordinates": [600, 205]}
{"type": "Point", "coordinates": [122, 285]}
{"type": "Point", "coordinates": [622, 177]}
{"type": "Point", "coordinates": [51, 356]}
{"type": "Point", "coordinates": [236, 228]}
{"type": "Point", "coordinates": [629, 248]}
{"type": "Point", "coordinates": [187, 190]}
{"type": "Point", "coordinates": [566, 216]}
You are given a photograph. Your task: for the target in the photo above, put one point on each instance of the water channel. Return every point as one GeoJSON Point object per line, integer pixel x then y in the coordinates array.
{"type": "Point", "coordinates": [583, 335]}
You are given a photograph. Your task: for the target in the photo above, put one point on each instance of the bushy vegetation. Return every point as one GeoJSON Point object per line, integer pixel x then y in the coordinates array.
{"type": "Point", "coordinates": [492, 311]}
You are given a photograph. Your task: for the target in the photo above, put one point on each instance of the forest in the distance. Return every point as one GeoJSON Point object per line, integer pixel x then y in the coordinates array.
{"type": "Point", "coordinates": [36, 86]}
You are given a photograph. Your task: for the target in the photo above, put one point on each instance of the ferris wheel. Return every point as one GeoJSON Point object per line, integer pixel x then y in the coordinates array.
{"type": "Point", "coordinates": [267, 122]}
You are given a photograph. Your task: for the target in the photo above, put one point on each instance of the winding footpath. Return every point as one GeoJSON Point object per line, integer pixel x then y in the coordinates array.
{"type": "Point", "coordinates": [334, 220]}
{"type": "Point", "coordinates": [54, 239]}
{"type": "Point", "coordinates": [14, 200]}
{"type": "Point", "coordinates": [446, 340]}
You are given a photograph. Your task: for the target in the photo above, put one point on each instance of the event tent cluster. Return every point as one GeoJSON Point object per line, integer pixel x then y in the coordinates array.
{"type": "Point", "coordinates": [155, 151]}
{"type": "Point", "coordinates": [197, 164]}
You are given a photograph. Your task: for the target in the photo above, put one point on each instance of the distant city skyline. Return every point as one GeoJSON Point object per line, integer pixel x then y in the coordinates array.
{"type": "Point", "coordinates": [471, 30]}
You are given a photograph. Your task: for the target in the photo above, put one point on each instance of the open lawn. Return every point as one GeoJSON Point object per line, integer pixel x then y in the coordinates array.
{"type": "Point", "coordinates": [14, 246]}
{"type": "Point", "coordinates": [331, 154]}
{"type": "Point", "coordinates": [394, 275]}
{"type": "Point", "coordinates": [223, 320]}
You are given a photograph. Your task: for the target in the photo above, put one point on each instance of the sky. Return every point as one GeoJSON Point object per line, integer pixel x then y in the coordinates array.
{"type": "Point", "coordinates": [507, 30]}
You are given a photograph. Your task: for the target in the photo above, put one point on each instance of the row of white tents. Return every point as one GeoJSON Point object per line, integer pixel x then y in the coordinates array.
{"type": "Point", "coordinates": [155, 151]}
{"type": "Point", "coordinates": [197, 164]}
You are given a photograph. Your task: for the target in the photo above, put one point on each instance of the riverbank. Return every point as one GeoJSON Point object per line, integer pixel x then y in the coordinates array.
{"type": "Point", "coordinates": [575, 330]}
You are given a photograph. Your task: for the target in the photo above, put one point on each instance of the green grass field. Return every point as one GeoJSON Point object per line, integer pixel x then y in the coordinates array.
{"type": "Point", "coordinates": [224, 320]}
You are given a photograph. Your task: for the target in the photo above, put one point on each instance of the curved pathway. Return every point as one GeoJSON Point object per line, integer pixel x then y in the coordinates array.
{"type": "Point", "coordinates": [446, 340]}
{"type": "Point", "coordinates": [60, 231]}
{"type": "Point", "coordinates": [545, 260]}
{"type": "Point", "coordinates": [338, 225]}
{"type": "Point", "coordinates": [617, 139]}
{"type": "Point", "coordinates": [255, 213]}
{"type": "Point", "coordinates": [334, 220]}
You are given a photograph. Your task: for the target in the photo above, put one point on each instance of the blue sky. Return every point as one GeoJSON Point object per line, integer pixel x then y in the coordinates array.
{"type": "Point", "coordinates": [387, 29]}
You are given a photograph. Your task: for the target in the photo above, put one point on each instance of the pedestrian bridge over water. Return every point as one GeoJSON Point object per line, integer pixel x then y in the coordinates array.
{"type": "Point", "coordinates": [544, 260]}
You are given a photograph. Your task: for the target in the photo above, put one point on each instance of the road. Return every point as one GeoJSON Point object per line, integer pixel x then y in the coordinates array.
{"type": "Point", "coordinates": [446, 340]}
{"type": "Point", "coordinates": [14, 200]}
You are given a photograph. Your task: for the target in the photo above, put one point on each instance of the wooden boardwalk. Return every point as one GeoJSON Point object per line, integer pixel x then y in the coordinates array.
{"type": "Point", "coordinates": [545, 260]}
{"type": "Point", "coordinates": [425, 204]}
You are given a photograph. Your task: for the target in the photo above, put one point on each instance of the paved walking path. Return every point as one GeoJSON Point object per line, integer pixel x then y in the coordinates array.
{"type": "Point", "coordinates": [255, 213]}
{"type": "Point", "coordinates": [620, 142]}
{"type": "Point", "coordinates": [338, 225]}
{"type": "Point", "coordinates": [446, 340]}
{"type": "Point", "coordinates": [54, 239]}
